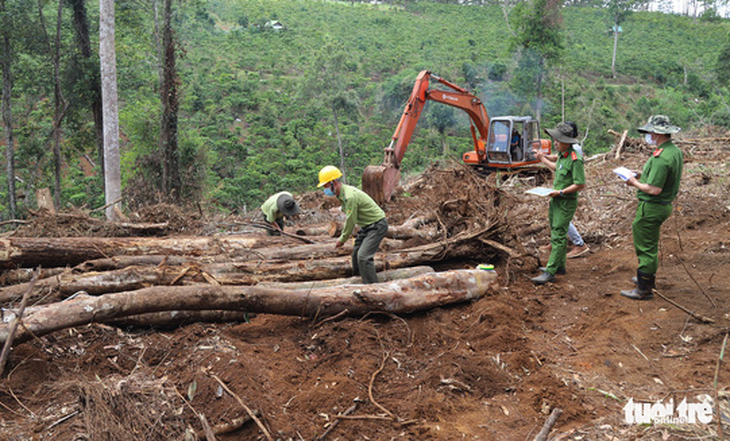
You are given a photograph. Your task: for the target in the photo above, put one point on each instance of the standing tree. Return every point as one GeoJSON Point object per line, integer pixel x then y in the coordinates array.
{"type": "Point", "coordinates": [92, 86]}
{"type": "Point", "coordinates": [722, 68]}
{"type": "Point", "coordinates": [539, 43]}
{"type": "Point", "coordinates": [60, 103]}
{"type": "Point", "coordinates": [7, 51]}
{"type": "Point", "coordinates": [108, 61]}
{"type": "Point", "coordinates": [619, 10]}
{"type": "Point", "coordinates": [169, 82]}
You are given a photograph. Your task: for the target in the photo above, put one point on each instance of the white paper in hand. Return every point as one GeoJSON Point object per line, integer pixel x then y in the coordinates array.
{"type": "Point", "coordinates": [624, 173]}
{"type": "Point", "coordinates": [540, 191]}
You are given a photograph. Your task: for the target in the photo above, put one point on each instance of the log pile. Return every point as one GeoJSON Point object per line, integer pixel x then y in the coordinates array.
{"type": "Point", "coordinates": [159, 280]}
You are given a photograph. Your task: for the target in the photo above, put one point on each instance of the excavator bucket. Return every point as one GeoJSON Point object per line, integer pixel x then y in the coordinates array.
{"type": "Point", "coordinates": [379, 182]}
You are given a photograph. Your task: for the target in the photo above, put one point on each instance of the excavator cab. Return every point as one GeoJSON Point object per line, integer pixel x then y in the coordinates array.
{"type": "Point", "coordinates": [513, 141]}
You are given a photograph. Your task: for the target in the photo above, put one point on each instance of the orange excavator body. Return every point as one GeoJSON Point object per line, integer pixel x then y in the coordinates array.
{"type": "Point", "coordinates": [494, 148]}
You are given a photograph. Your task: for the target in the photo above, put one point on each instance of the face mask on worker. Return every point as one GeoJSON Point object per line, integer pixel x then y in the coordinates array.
{"type": "Point", "coordinates": [649, 138]}
{"type": "Point", "coordinates": [328, 191]}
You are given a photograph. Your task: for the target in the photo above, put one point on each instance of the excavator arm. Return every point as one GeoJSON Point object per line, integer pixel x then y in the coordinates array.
{"type": "Point", "coordinates": [380, 181]}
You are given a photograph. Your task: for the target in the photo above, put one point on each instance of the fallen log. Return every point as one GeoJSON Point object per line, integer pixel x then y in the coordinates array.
{"type": "Point", "coordinates": [23, 275]}
{"type": "Point", "coordinates": [397, 297]}
{"type": "Point", "coordinates": [97, 283]}
{"type": "Point", "coordinates": [407, 230]}
{"type": "Point", "coordinates": [232, 273]}
{"type": "Point", "coordinates": [167, 319]}
{"type": "Point", "coordinates": [333, 229]}
{"type": "Point", "coordinates": [54, 252]}
{"type": "Point", "coordinates": [251, 273]}
{"type": "Point", "coordinates": [385, 276]}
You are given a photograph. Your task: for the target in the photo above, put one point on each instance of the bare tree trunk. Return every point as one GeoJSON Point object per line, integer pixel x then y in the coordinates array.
{"type": "Point", "coordinates": [232, 273]}
{"type": "Point", "coordinates": [385, 276]}
{"type": "Point", "coordinates": [397, 297]}
{"type": "Point", "coordinates": [615, 48]}
{"type": "Point", "coordinates": [107, 56]}
{"type": "Point", "coordinates": [56, 251]}
{"type": "Point", "coordinates": [227, 273]}
{"type": "Point", "coordinates": [169, 100]}
{"type": "Point", "coordinates": [334, 229]}
{"type": "Point", "coordinates": [81, 24]}
{"type": "Point", "coordinates": [176, 318]}
{"type": "Point", "coordinates": [7, 111]}
{"type": "Point", "coordinates": [60, 108]}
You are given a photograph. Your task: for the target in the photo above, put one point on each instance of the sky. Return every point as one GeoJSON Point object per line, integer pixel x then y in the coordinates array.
{"type": "Point", "coordinates": [681, 6]}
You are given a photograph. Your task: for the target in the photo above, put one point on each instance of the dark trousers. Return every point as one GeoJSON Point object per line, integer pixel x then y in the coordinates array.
{"type": "Point", "coordinates": [367, 242]}
{"type": "Point", "coordinates": [279, 222]}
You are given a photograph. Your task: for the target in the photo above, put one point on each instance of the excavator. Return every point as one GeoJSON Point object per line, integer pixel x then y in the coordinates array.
{"type": "Point", "coordinates": [505, 143]}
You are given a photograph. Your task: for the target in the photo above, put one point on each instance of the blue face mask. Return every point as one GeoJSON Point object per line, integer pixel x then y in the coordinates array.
{"type": "Point", "coordinates": [328, 191]}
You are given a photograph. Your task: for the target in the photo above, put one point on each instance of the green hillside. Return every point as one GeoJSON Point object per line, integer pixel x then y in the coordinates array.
{"type": "Point", "coordinates": [261, 108]}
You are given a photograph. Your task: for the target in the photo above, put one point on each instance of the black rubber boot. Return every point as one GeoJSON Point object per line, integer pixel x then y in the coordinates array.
{"type": "Point", "coordinates": [544, 278]}
{"type": "Point", "coordinates": [559, 271]}
{"type": "Point", "coordinates": [644, 285]}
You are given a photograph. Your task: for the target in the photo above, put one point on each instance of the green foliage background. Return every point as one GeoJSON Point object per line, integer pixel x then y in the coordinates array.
{"type": "Point", "coordinates": [258, 104]}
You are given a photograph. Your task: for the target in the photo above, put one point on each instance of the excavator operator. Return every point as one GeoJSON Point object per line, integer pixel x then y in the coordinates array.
{"type": "Point", "coordinates": [361, 210]}
{"type": "Point", "coordinates": [515, 146]}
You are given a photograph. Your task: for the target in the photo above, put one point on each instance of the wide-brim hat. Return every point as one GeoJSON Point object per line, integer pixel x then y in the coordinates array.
{"type": "Point", "coordinates": [287, 205]}
{"type": "Point", "coordinates": [660, 125]}
{"type": "Point", "coordinates": [563, 133]}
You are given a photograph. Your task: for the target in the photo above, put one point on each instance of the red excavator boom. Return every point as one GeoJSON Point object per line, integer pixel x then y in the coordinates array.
{"type": "Point", "coordinates": [380, 181]}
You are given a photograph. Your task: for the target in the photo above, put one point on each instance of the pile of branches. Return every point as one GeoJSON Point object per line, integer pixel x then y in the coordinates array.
{"type": "Point", "coordinates": [68, 281]}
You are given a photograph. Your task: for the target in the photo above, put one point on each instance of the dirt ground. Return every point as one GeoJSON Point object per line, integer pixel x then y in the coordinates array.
{"type": "Point", "coordinates": [492, 369]}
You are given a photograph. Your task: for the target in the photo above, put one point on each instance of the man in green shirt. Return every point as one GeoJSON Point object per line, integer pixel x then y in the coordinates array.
{"type": "Point", "coordinates": [657, 186]}
{"type": "Point", "coordinates": [276, 207]}
{"type": "Point", "coordinates": [569, 180]}
{"type": "Point", "coordinates": [360, 210]}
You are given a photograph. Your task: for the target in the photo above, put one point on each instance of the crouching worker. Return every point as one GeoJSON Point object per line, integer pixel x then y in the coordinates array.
{"type": "Point", "coordinates": [360, 210]}
{"type": "Point", "coordinates": [275, 208]}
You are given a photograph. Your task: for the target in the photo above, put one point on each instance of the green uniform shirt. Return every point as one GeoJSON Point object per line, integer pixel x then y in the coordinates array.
{"type": "Point", "coordinates": [359, 208]}
{"type": "Point", "coordinates": [271, 210]}
{"type": "Point", "coordinates": [569, 171]}
{"type": "Point", "coordinates": [662, 170]}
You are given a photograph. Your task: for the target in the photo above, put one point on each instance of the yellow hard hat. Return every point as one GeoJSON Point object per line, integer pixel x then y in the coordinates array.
{"type": "Point", "coordinates": [328, 173]}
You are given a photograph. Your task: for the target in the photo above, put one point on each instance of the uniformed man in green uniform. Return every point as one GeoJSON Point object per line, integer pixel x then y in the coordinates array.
{"type": "Point", "coordinates": [276, 207]}
{"type": "Point", "coordinates": [361, 210]}
{"type": "Point", "coordinates": [657, 185]}
{"type": "Point", "coordinates": [569, 180]}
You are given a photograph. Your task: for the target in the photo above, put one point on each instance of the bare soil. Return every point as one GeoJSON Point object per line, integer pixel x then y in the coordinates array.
{"type": "Point", "coordinates": [492, 369]}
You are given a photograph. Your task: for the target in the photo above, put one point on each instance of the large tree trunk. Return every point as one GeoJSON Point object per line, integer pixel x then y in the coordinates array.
{"type": "Point", "coordinates": [7, 109]}
{"type": "Point", "coordinates": [108, 61]}
{"type": "Point", "coordinates": [166, 319]}
{"type": "Point", "coordinates": [397, 297]}
{"type": "Point", "coordinates": [169, 99]}
{"type": "Point", "coordinates": [81, 24]}
{"type": "Point", "coordinates": [60, 105]}
{"type": "Point", "coordinates": [60, 108]}
{"type": "Point", "coordinates": [55, 252]}
{"type": "Point", "coordinates": [407, 230]}
{"type": "Point", "coordinates": [229, 273]}
{"type": "Point", "coordinates": [385, 276]}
